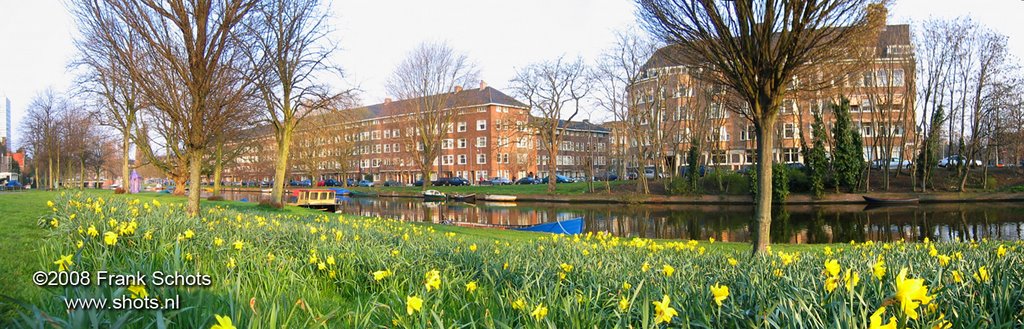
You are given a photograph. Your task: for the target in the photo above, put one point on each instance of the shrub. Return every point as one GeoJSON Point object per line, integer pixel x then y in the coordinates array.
{"type": "Point", "coordinates": [799, 181]}
{"type": "Point", "coordinates": [780, 182]}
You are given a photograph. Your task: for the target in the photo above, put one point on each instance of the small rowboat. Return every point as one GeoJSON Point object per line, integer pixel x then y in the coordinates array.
{"type": "Point", "coordinates": [889, 201]}
{"type": "Point", "coordinates": [569, 226]}
{"type": "Point", "coordinates": [340, 191]}
{"type": "Point", "coordinates": [499, 197]}
{"type": "Point", "coordinates": [434, 195]}
{"type": "Point", "coordinates": [464, 197]}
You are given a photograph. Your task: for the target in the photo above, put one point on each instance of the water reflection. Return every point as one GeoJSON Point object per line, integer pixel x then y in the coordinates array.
{"type": "Point", "coordinates": [791, 224]}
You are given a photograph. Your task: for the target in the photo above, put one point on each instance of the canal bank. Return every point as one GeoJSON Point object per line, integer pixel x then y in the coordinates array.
{"type": "Point", "coordinates": [793, 199]}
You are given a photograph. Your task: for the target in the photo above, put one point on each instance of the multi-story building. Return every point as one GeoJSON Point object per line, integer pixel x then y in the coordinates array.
{"type": "Point", "coordinates": [583, 150]}
{"type": "Point", "coordinates": [674, 107]}
{"type": "Point", "coordinates": [5, 126]}
{"type": "Point", "coordinates": [488, 136]}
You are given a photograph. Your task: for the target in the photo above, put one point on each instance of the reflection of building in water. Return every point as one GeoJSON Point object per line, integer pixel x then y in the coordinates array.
{"type": "Point", "coordinates": [726, 223]}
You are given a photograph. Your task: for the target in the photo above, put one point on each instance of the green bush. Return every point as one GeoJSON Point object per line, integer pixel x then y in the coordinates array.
{"type": "Point", "coordinates": [679, 185]}
{"type": "Point", "coordinates": [799, 181]}
{"type": "Point", "coordinates": [780, 182]}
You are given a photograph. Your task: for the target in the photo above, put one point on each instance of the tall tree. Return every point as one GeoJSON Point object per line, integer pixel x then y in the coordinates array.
{"type": "Point", "coordinates": [289, 48]}
{"type": "Point", "coordinates": [757, 47]}
{"type": "Point", "coordinates": [555, 91]}
{"type": "Point", "coordinates": [183, 64]}
{"type": "Point", "coordinates": [428, 81]}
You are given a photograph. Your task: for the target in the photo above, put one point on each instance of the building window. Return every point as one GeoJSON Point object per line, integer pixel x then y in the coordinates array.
{"type": "Point", "coordinates": [481, 158]}
{"type": "Point", "coordinates": [394, 133]}
{"type": "Point", "coordinates": [868, 130]}
{"type": "Point", "coordinates": [462, 159]}
{"type": "Point", "coordinates": [462, 143]}
{"type": "Point", "coordinates": [788, 106]}
{"type": "Point", "coordinates": [387, 147]}
{"type": "Point", "coordinates": [790, 155]}
{"type": "Point", "coordinates": [447, 159]}
{"type": "Point", "coordinates": [387, 134]}
{"type": "Point", "coordinates": [446, 144]}
{"type": "Point", "coordinates": [748, 134]}
{"type": "Point", "coordinates": [481, 142]}
{"type": "Point", "coordinates": [375, 135]}
{"type": "Point", "coordinates": [788, 131]}
{"type": "Point", "coordinates": [462, 126]}
{"type": "Point", "coordinates": [718, 157]}
{"type": "Point", "coordinates": [481, 125]}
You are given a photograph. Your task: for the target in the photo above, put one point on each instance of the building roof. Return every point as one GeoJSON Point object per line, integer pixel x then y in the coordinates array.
{"type": "Point", "coordinates": [584, 125]}
{"type": "Point", "coordinates": [465, 97]}
{"type": "Point", "coordinates": [891, 35]}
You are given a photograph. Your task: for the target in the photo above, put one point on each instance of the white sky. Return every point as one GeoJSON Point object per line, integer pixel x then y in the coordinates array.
{"type": "Point", "coordinates": [500, 36]}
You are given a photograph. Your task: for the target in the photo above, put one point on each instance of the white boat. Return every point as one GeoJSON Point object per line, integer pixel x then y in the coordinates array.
{"type": "Point", "coordinates": [434, 195]}
{"type": "Point", "coordinates": [499, 197]}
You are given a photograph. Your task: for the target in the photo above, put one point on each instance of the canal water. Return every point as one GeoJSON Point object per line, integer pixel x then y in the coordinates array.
{"type": "Point", "coordinates": [792, 224]}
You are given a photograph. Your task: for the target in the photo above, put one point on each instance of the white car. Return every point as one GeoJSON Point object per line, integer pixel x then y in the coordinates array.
{"type": "Point", "coordinates": [892, 163]}
{"type": "Point", "coordinates": [954, 160]}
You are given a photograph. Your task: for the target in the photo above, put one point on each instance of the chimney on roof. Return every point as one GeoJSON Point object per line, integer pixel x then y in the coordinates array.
{"type": "Point", "coordinates": [387, 101]}
{"type": "Point", "coordinates": [586, 120]}
{"type": "Point", "coordinates": [483, 85]}
{"type": "Point", "coordinates": [458, 88]}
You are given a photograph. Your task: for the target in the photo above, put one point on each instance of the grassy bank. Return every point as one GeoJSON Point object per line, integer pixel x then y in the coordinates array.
{"type": "Point", "coordinates": [305, 269]}
{"type": "Point", "coordinates": [561, 189]}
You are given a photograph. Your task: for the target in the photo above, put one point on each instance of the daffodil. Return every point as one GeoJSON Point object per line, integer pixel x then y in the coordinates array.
{"type": "Point", "coordinates": [330, 260]}
{"type": "Point", "coordinates": [720, 293]}
{"type": "Point", "coordinates": [413, 304]}
{"type": "Point", "coordinates": [64, 262]}
{"type": "Point", "coordinates": [381, 275]}
{"type": "Point", "coordinates": [189, 234]}
{"type": "Point", "coordinates": [982, 274]}
{"type": "Point", "coordinates": [1001, 251]}
{"type": "Point", "coordinates": [471, 286]}
{"type": "Point", "coordinates": [878, 269]}
{"type": "Point", "coordinates": [539, 312]}
{"type": "Point", "coordinates": [876, 320]}
{"type": "Point", "coordinates": [138, 291]}
{"type": "Point", "coordinates": [110, 238]}
{"type": "Point", "coordinates": [626, 286]}
{"type": "Point", "coordinates": [472, 247]}
{"type": "Point", "coordinates": [238, 244]}
{"type": "Point", "coordinates": [92, 231]}
{"type": "Point", "coordinates": [668, 269]}
{"type": "Point", "coordinates": [832, 267]}
{"type": "Point", "coordinates": [663, 311]}
{"type": "Point", "coordinates": [831, 283]}
{"type": "Point", "coordinates": [231, 263]}
{"type": "Point", "coordinates": [850, 279]}
{"type": "Point", "coordinates": [646, 267]}
{"type": "Point", "coordinates": [911, 293]}
{"type": "Point", "coordinates": [732, 261]}
{"type": "Point", "coordinates": [623, 303]}
{"type": "Point", "coordinates": [433, 280]}
{"type": "Point", "coordinates": [223, 322]}
{"type": "Point", "coordinates": [218, 241]}
{"type": "Point", "coordinates": [566, 267]}
{"type": "Point", "coordinates": [519, 304]}
{"type": "Point", "coordinates": [957, 276]}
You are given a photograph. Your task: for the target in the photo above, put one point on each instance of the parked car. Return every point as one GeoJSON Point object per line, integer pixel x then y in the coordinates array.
{"type": "Point", "coordinates": [351, 182]}
{"type": "Point", "coordinates": [632, 175]}
{"type": "Point", "coordinates": [418, 182]}
{"type": "Point", "coordinates": [558, 179]}
{"type": "Point", "coordinates": [458, 181]}
{"type": "Point", "coordinates": [500, 181]}
{"type": "Point", "coordinates": [956, 160]}
{"type": "Point", "coordinates": [13, 184]}
{"type": "Point", "coordinates": [605, 176]}
{"type": "Point", "coordinates": [365, 183]}
{"type": "Point", "coordinates": [892, 163]}
{"type": "Point", "coordinates": [304, 182]}
{"type": "Point", "coordinates": [331, 182]}
{"type": "Point", "coordinates": [527, 180]}
{"type": "Point", "coordinates": [392, 183]}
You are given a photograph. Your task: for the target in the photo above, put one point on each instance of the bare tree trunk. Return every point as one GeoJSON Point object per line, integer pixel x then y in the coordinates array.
{"type": "Point", "coordinates": [195, 166]}
{"type": "Point", "coordinates": [125, 172]}
{"type": "Point", "coordinates": [763, 200]}
{"type": "Point", "coordinates": [552, 165]}
{"type": "Point", "coordinates": [281, 165]}
{"type": "Point", "coordinates": [218, 169]}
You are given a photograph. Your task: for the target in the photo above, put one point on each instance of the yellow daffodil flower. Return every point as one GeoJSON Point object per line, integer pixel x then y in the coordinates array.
{"type": "Point", "coordinates": [623, 303]}
{"type": "Point", "coordinates": [519, 304]}
{"type": "Point", "coordinates": [720, 293]}
{"type": "Point", "coordinates": [110, 238]}
{"type": "Point", "coordinates": [471, 286]}
{"type": "Point", "coordinates": [663, 311]}
{"type": "Point", "coordinates": [138, 291]}
{"type": "Point", "coordinates": [223, 322]}
{"type": "Point", "coordinates": [832, 267]}
{"type": "Point", "coordinates": [878, 269]}
{"type": "Point", "coordinates": [982, 275]}
{"type": "Point", "coordinates": [64, 262]}
{"type": "Point", "coordinates": [539, 312]}
{"type": "Point", "coordinates": [381, 275]}
{"type": "Point", "coordinates": [911, 293]}
{"type": "Point", "coordinates": [413, 304]}
{"type": "Point", "coordinates": [668, 269]}
{"type": "Point", "coordinates": [876, 320]}
{"type": "Point", "coordinates": [433, 280]}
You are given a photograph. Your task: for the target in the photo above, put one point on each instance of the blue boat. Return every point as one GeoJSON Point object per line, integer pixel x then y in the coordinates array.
{"type": "Point", "coordinates": [340, 191]}
{"type": "Point", "coordinates": [568, 226]}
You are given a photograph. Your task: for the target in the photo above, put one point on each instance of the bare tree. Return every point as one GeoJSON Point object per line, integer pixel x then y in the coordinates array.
{"type": "Point", "coordinates": [41, 128]}
{"type": "Point", "coordinates": [106, 76]}
{"type": "Point", "coordinates": [289, 48]}
{"type": "Point", "coordinates": [619, 70]}
{"type": "Point", "coordinates": [428, 81]}
{"type": "Point", "coordinates": [555, 92]}
{"type": "Point", "coordinates": [183, 65]}
{"type": "Point", "coordinates": [757, 47]}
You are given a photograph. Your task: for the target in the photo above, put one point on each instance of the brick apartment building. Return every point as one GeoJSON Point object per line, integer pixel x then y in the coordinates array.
{"type": "Point", "coordinates": [489, 136]}
{"type": "Point", "coordinates": [881, 98]}
{"type": "Point", "coordinates": [583, 150]}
